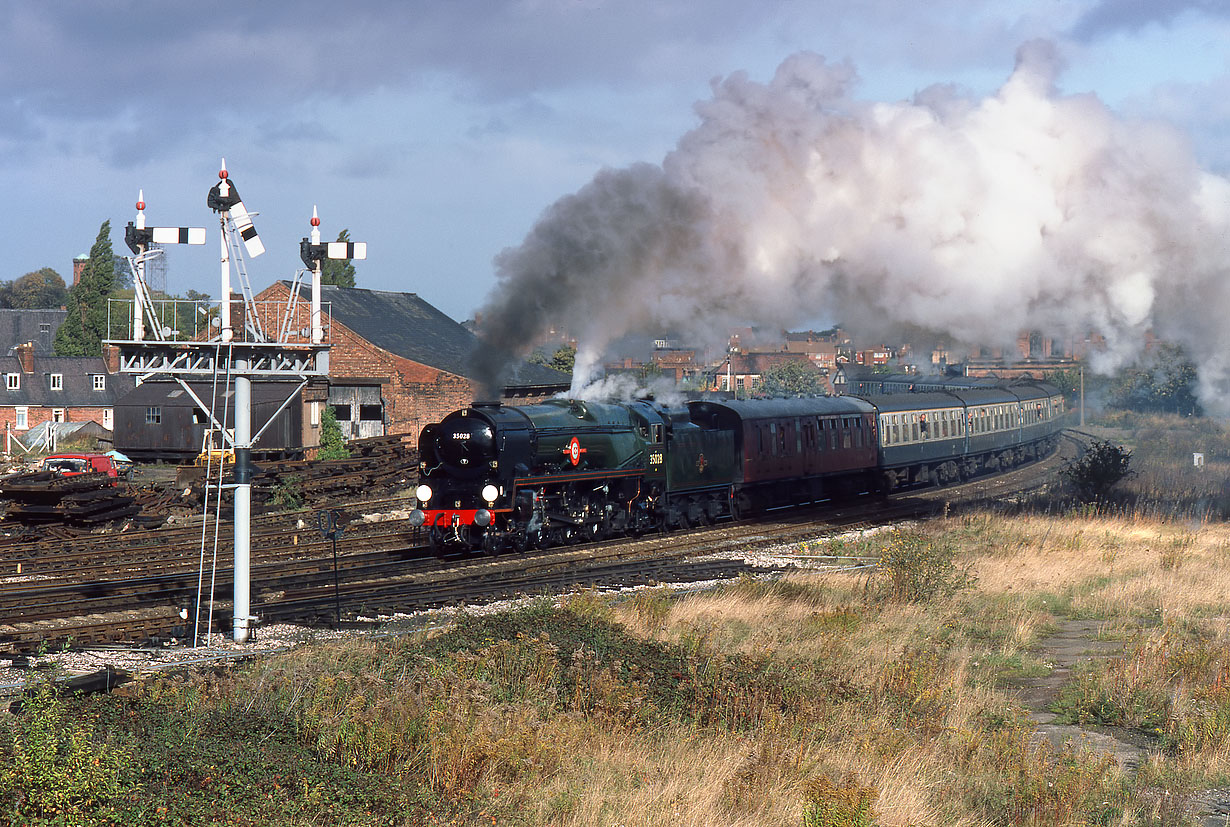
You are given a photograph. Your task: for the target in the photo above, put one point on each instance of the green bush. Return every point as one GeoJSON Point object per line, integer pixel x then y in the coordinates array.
{"type": "Point", "coordinates": [915, 569]}
{"type": "Point", "coordinates": [332, 443]}
{"type": "Point", "coordinates": [58, 768]}
{"type": "Point", "coordinates": [1098, 470]}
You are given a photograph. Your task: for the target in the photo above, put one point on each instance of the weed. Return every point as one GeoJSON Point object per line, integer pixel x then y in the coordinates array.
{"type": "Point", "coordinates": [60, 769]}
{"type": "Point", "coordinates": [916, 569]}
{"type": "Point", "coordinates": [287, 493]}
{"type": "Point", "coordinates": [844, 804]}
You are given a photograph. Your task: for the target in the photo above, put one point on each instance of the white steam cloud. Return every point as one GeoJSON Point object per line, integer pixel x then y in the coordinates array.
{"type": "Point", "coordinates": [973, 219]}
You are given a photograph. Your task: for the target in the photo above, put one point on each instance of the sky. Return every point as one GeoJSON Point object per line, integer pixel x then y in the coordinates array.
{"type": "Point", "coordinates": [441, 133]}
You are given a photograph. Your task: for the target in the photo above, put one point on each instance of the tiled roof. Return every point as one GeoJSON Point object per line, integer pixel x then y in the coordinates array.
{"type": "Point", "coordinates": [406, 325]}
{"type": "Point", "coordinates": [18, 326]}
{"type": "Point", "coordinates": [76, 382]}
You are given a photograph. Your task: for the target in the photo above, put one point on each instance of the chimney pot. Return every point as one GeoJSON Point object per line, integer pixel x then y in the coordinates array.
{"type": "Point", "coordinates": [25, 357]}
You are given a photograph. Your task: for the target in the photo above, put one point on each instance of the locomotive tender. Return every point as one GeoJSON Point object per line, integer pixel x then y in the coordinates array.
{"type": "Point", "coordinates": [496, 477]}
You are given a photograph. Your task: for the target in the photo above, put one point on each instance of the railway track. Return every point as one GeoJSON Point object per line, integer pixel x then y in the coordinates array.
{"type": "Point", "coordinates": [146, 585]}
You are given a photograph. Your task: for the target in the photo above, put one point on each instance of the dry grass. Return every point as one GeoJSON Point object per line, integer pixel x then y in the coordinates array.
{"type": "Point", "coordinates": [783, 703]}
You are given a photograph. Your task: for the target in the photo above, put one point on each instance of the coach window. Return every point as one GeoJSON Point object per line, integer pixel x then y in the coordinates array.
{"type": "Point", "coordinates": [845, 433]}
{"type": "Point", "coordinates": [773, 438]}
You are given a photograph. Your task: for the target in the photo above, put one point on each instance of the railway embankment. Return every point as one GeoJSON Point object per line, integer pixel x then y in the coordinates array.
{"type": "Point", "coordinates": [899, 694]}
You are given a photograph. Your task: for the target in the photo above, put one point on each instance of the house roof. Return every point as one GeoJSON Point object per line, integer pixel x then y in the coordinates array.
{"type": "Point", "coordinates": [406, 325]}
{"type": "Point", "coordinates": [18, 326]}
{"type": "Point", "coordinates": [76, 383]}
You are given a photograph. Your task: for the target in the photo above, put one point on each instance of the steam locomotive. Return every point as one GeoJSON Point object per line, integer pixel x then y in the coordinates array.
{"type": "Point", "coordinates": [497, 477]}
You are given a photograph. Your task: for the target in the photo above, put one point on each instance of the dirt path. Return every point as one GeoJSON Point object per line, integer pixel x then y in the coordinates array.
{"type": "Point", "coordinates": [1074, 643]}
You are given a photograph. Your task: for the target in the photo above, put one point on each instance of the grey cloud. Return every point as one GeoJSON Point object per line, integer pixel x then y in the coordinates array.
{"type": "Point", "coordinates": [1109, 16]}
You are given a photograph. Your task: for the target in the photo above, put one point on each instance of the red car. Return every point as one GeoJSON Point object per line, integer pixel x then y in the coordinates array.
{"type": "Point", "coordinates": [72, 464]}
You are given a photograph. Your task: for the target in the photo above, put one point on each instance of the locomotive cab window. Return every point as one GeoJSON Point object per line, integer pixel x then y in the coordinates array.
{"type": "Point", "coordinates": [655, 432]}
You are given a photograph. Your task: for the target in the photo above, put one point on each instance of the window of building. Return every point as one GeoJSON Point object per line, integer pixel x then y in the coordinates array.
{"type": "Point", "coordinates": [100, 381]}
{"type": "Point", "coordinates": [108, 419]}
{"type": "Point", "coordinates": [23, 418]}
{"type": "Point", "coordinates": [44, 327]}
{"type": "Point", "coordinates": [341, 413]}
{"type": "Point", "coordinates": [371, 413]}
{"type": "Point", "coordinates": [314, 413]}
{"type": "Point", "coordinates": [12, 381]}
{"type": "Point", "coordinates": [153, 415]}
{"type": "Point", "coordinates": [57, 381]}
{"type": "Point", "coordinates": [57, 415]}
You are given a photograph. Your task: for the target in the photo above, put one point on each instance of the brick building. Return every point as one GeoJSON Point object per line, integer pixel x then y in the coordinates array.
{"type": "Point", "coordinates": [39, 388]}
{"type": "Point", "coordinates": [397, 364]}
{"type": "Point", "coordinates": [741, 373]}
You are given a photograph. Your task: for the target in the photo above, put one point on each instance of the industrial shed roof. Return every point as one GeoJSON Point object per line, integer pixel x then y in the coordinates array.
{"type": "Point", "coordinates": [408, 326]}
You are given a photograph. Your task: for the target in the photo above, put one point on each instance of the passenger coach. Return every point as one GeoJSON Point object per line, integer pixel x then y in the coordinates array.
{"type": "Point", "coordinates": [938, 438]}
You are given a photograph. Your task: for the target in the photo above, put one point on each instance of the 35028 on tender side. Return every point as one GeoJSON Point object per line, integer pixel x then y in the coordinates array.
{"type": "Point", "coordinates": [498, 477]}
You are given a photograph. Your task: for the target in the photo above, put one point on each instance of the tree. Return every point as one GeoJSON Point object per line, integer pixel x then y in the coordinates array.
{"type": "Point", "coordinates": [793, 378]}
{"type": "Point", "coordinates": [41, 288]}
{"type": "Point", "coordinates": [86, 324]}
{"type": "Point", "coordinates": [1068, 381]}
{"type": "Point", "coordinates": [339, 272]}
{"type": "Point", "coordinates": [564, 359]}
{"type": "Point", "coordinates": [332, 443]}
{"type": "Point", "coordinates": [1164, 383]}
{"type": "Point", "coordinates": [1097, 471]}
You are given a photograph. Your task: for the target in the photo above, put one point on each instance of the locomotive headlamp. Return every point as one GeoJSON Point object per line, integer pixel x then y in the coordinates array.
{"type": "Point", "coordinates": [490, 492]}
{"type": "Point", "coordinates": [423, 493]}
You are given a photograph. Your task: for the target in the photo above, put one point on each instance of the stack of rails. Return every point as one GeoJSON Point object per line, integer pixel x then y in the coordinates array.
{"type": "Point", "coordinates": [81, 499]}
{"type": "Point", "coordinates": [376, 465]}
